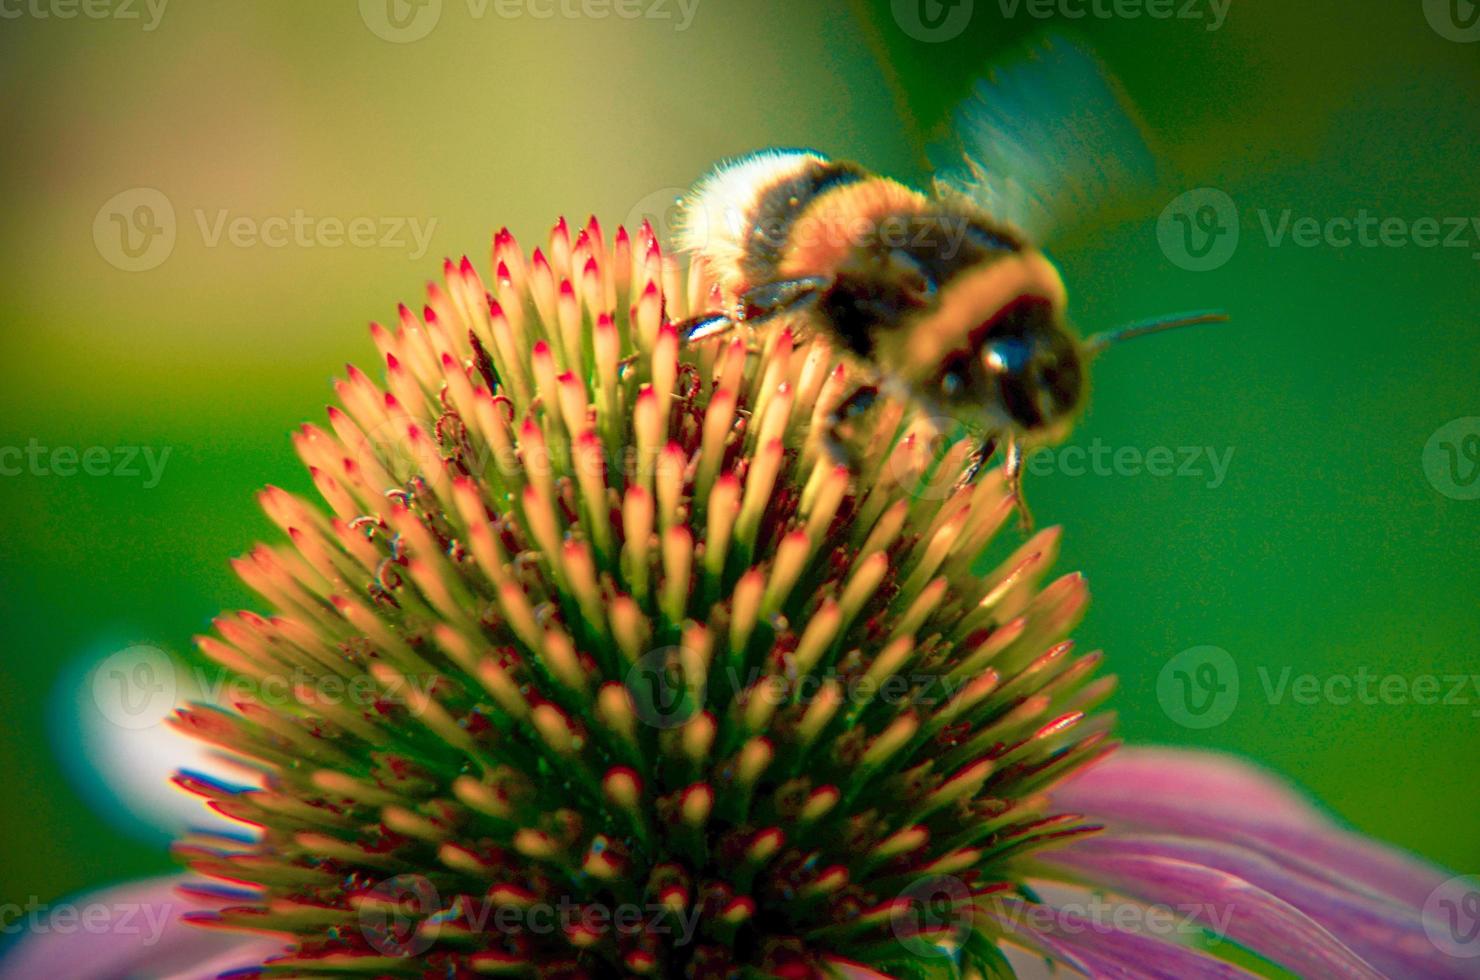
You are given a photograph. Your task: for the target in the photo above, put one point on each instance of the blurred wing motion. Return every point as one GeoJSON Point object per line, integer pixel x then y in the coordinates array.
{"type": "Point", "coordinates": [1048, 144]}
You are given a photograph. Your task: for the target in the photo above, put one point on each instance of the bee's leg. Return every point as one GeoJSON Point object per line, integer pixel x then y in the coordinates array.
{"type": "Point", "coordinates": [770, 299]}
{"type": "Point", "coordinates": [839, 436]}
{"type": "Point", "coordinates": [698, 328]}
{"type": "Point", "coordinates": [1014, 468]}
{"type": "Point", "coordinates": [757, 304]}
{"type": "Point", "coordinates": [979, 460]}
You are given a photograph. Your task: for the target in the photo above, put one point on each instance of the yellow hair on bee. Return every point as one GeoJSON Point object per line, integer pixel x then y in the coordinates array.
{"type": "Point", "coordinates": [839, 220]}
{"type": "Point", "coordinates": [718, 220]}
{"type": "Point", "coordinates": [917, 352]}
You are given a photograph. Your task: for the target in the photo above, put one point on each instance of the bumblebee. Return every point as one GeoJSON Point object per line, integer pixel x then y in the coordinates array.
{"type": "Point", "coordinates": [943, 298]}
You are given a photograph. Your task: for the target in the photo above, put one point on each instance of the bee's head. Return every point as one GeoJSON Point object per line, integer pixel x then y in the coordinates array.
{"type": "Point", "coordinates": [1023, 365]}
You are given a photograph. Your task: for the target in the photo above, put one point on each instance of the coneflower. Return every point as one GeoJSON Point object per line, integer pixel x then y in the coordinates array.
{"type": "Point", "coordinates": [654, 683]}
{"type": "Point", "coordinates": [601, 662]}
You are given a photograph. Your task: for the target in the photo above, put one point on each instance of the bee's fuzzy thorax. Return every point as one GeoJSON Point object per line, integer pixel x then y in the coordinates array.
{"type": "Point", "coordinates": [837, 222]}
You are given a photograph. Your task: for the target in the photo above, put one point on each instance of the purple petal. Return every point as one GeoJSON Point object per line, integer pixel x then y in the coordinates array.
{"type": "Point", "coordinates": [1205, 795]}
{"type": "Point", "coordinates": [128, 931]}
{"type": "Point", "coordinates": [1254, 918]}
{"type": "Point", "coordinates": [1385, 935]}
{"type": "Point", "coordinates": [1203, 781]}
{"type": "Point", "coordinates": [1100, 950]}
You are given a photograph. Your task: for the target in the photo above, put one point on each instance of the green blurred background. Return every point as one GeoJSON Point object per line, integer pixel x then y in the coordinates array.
{"type": "Point", "coordinates": [1326, 548]}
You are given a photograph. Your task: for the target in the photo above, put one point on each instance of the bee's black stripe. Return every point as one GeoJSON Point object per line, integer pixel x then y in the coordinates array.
{"type": "Point", "coordinates": [943, 244]}
{"type": "Point", "coordinates": [894, 275]}
{"type": "Point", "coordinates": [992, 239]}
{"type": "Point", "coordinates": [778, 206]}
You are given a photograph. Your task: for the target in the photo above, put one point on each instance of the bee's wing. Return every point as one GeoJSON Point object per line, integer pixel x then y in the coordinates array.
{"type": "Point", "coordinates": [1047, 143]}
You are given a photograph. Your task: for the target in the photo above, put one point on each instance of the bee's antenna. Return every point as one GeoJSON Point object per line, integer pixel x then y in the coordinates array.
{"type": "Point", "coordinates": [1097, 343]}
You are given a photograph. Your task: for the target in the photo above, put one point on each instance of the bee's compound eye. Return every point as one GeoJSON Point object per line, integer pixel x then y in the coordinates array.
{"type": "Point", "coordinates": [1061, 380]}
{"type": "Point", "coordinates": [1007, 356]}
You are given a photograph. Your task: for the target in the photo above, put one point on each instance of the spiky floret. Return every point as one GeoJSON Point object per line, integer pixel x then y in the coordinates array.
{"type": "Point", "coordinates": [595, 623]}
